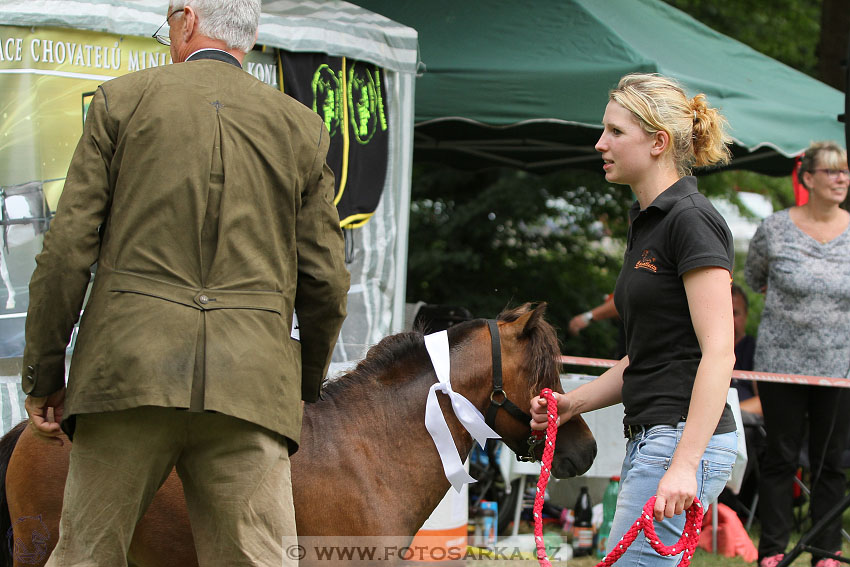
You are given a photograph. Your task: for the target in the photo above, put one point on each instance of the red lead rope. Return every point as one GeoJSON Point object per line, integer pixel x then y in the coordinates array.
{"type": "Point", "coordinates": [545, 471]}
{"type": "Point", "coordinates": [693, 518]}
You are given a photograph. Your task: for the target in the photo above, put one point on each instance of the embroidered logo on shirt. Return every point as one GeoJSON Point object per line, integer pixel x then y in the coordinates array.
{"type": "Point", "coordinates": [646, 262]}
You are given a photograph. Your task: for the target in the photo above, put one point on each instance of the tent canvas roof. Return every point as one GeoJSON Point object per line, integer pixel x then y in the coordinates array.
{"type": "Point", "coordinates": [329, 26]}
{"type": "Point", "coordinates": [526, 84]}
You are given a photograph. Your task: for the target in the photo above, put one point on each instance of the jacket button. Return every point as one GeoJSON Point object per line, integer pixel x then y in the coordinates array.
{"type": "Point", "coordinates": [31, 369]}
{"type": "Point", "coordinates": [30, 379]}
{"type": "Point", "coordinates": [204, 299]}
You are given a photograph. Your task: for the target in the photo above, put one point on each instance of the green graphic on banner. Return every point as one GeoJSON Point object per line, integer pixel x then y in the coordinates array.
{"type": "Point", "coordinates": [327, 97]}
{"type": "Point", "coordinates": [365, 103]}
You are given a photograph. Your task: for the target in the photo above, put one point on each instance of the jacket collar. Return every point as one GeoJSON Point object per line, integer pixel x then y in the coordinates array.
{"type": "Point", "coordinates": [215, 55]}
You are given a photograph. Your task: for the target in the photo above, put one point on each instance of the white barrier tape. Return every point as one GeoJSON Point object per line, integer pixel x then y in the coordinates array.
{"type": "Point", "coordinates": [801, 379]}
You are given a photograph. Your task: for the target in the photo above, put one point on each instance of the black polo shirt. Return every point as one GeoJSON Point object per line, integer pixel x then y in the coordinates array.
{"type": "Point", "coordinates": [678, 232]}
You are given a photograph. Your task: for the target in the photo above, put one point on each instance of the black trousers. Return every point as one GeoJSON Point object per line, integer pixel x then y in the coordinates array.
{"type": "Point", "coordinates": [790, 410]}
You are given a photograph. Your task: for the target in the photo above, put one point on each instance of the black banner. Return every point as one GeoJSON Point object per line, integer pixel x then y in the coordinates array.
{"type": "Point", "coordinates": [350, 97]}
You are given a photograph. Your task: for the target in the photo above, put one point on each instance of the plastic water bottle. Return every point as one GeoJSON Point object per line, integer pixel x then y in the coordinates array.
{"type": "Point", "coordinates": [568, 519]}
{"type": "Point", "coordinates": [583, 528]}
{"type": "Point", "coordinates": [490, 520]}
{"type": "Point", "coordinates": [609, 505]}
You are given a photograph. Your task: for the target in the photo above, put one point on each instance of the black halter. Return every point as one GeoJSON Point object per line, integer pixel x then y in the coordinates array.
{"type": "Point", "coordinates": [498, 399]}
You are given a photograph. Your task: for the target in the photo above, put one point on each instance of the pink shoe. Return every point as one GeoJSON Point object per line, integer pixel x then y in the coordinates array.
{"type": "Point", "coordinates": [772, 560]}
{"type": "Point", "coordinates": [828, 562]}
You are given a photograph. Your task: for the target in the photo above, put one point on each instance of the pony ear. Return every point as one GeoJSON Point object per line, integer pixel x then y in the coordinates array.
{"type": "Point", "coordinates": [531, 319]}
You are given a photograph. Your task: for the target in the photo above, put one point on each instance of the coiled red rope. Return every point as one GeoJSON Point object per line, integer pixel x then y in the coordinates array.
{"type": "Point", "coordinates": [687, 543]}
{"type": "Point", "coordinates": [693, 517]}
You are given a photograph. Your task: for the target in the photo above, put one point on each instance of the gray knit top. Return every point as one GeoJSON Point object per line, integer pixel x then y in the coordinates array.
{"type": "Point", "coordinates": [805, 325]}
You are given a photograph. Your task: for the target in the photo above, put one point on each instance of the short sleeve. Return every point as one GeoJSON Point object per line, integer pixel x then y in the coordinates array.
{"type": "Point", "coordinates": [756, 268]}
{"type": "Point", "coordinates": [700, 238]}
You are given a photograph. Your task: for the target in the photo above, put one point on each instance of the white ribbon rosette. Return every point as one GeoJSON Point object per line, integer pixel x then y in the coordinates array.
{"type": "Point", "coordinates": [437, 345]}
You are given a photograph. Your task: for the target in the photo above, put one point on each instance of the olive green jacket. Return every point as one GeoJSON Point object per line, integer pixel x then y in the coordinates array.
{"type": "Point", "coordinates": [203, 196]}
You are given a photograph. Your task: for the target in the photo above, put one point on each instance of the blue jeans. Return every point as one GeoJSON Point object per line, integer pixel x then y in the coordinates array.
{"type": "Point", "coordinates": [647, 458]}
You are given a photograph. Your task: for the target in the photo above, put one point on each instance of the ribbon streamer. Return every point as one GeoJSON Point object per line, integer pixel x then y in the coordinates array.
{"type": "Point", "coordinates": [437, 345]}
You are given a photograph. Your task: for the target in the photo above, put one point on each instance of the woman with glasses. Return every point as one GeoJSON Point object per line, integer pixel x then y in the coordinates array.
{"type": "Point", "coordinates": [800, 259]}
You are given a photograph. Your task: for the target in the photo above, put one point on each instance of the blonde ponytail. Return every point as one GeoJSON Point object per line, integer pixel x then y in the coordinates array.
{"type": "Point", "coordinates": [697, 132]}
{"type": "Point", "coordinates": [710, 141]}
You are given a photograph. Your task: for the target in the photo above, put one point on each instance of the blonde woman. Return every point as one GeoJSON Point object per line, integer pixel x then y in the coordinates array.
{"type": "Point", "coordinates": [799, 258]}
{"type": "Point", "coordinates": [673, 296]}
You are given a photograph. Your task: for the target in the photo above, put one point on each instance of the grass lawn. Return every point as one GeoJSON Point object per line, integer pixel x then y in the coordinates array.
{"type": "Point", "coordinates": [701, 558]}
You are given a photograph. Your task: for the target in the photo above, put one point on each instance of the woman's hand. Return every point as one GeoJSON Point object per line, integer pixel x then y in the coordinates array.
{"type": "Point", "coordinates": [539, 419]}
{"type": "Point", "coordinates": [676, 491]}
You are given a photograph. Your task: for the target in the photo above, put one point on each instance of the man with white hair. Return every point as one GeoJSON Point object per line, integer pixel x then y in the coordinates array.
{"type": "Point", "coordinates": [204, 198]}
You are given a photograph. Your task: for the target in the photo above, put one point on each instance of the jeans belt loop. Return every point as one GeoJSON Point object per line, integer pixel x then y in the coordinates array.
{"type": "Point", "coordinates": [631, 431]}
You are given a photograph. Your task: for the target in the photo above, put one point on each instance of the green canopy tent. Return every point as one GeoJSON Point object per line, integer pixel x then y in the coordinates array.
{"type": "Point", "coordinates": [525, 84]}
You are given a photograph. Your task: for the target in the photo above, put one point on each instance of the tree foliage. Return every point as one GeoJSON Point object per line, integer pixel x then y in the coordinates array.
{"type": "Point", "coordinates": [787, 30]}
{"type": "Point", "coordinates": [808, 35]}
{"type": "Point", "coordinates": [490, 239]}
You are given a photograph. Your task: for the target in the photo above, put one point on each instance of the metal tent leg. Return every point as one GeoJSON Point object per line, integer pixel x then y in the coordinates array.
{"type": "Point", "coordinates": [519, 504]}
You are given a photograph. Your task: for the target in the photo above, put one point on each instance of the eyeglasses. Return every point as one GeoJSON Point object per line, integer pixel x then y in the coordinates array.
{"type": "Point", "coordinates": [163, 37]}
{"type": "Point", "coordinates": [834, 173]}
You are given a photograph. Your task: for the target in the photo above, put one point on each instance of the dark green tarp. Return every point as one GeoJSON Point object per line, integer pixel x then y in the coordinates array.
{"type": "Point", "coordinates": [525, 83]}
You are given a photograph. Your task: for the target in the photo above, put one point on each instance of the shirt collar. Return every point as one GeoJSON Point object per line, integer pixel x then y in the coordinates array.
{"type": "Point", "coordinates": [664, 202]}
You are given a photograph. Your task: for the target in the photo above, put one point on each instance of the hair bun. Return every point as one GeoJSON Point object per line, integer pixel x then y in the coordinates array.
{"type": "Point", "coordinates": [696, 130]}
{"type": "Point", "coordinates": [699, 106]}
{"type": "Point", "coordinates": [709, 137]}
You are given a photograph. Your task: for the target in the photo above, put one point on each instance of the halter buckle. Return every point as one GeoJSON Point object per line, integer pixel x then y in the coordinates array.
{"type": "Point", "coordinates": [532, 441]}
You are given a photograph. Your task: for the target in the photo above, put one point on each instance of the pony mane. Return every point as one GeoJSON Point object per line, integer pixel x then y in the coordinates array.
{"type": "Point", "coordinates": [543, 348]}
{"type": "Point", "coordinates": [389, 351]}
{"type": "Point", "coordinates": [408, 348]}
